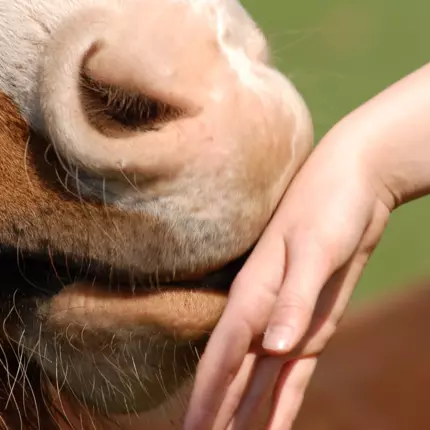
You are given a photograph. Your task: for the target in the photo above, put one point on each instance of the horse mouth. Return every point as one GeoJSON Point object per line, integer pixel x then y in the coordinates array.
{"type": "Point", "coordinates": [83, 293]}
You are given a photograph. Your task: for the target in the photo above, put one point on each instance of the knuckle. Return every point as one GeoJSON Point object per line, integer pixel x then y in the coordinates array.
{"type": "Point", "coordinates": [293, 302]}
{"type": "Point", "coordinates": [319, 243]}
{"type": "Point", "coordinates": [293, 310]}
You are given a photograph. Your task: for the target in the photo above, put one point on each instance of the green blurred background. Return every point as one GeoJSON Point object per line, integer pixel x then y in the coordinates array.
{"type": "Point", "coordinates": [339, 53]}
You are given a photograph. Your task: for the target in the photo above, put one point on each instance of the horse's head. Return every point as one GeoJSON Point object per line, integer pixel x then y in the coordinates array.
{"type": "Point", "coordinates": [144, 147]}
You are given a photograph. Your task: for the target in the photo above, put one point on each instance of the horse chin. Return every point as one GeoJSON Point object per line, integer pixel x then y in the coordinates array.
{"type": "Point", "coordinates": [119, 347]}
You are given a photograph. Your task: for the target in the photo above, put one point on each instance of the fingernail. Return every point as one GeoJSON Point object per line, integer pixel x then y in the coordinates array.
{"type": "Point", "coordinates": [278, 338]}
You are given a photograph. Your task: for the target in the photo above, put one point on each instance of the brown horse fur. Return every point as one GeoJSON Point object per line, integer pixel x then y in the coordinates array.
{"type": "Point", "coordinates": [24, 397]}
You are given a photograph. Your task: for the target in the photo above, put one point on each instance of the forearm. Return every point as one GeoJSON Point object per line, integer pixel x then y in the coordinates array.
{"type": "Point", "coordinates": [392, 134]}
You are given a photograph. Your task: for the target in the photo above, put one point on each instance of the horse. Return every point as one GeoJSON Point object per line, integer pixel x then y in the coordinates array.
{"type": "Point", "coordinates": [144, 145]}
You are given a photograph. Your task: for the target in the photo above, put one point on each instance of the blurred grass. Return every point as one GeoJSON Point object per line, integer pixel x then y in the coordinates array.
{"type": "Point", "coordinates": [339, 53]}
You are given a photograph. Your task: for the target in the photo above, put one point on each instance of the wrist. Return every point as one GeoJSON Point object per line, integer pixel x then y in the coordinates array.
{"type": "Point", "coordinates": [390, 134]}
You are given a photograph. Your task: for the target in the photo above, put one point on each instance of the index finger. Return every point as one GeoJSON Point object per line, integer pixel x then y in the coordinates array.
{"type": "Point", "coordinates": [246, 316]}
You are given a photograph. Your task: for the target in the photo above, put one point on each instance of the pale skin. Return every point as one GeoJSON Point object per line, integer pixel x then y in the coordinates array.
{"type": "Point", "coordinates": [294, 289]}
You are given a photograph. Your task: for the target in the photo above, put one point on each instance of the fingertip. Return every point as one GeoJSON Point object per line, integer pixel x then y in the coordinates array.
{"type": "Point", "coordinates": [279, 339]}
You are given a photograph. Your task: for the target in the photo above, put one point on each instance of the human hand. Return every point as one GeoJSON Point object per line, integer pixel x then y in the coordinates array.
{"type": "Point", "coordinates": [296, 284]}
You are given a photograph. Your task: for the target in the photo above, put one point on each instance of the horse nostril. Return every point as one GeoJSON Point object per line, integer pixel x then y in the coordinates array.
{"type": "Point", "coordinates": [112, 109]}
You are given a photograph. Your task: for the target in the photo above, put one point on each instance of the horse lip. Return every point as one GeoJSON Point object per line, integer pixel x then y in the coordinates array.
{"type": "Point", "coordinates": [42, 273]}
{"type": "Point", "coordinates": [222, 279]}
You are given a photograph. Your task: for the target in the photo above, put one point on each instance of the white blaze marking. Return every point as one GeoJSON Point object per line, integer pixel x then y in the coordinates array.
{"type": "Point", "coordinates": [225, 20]}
